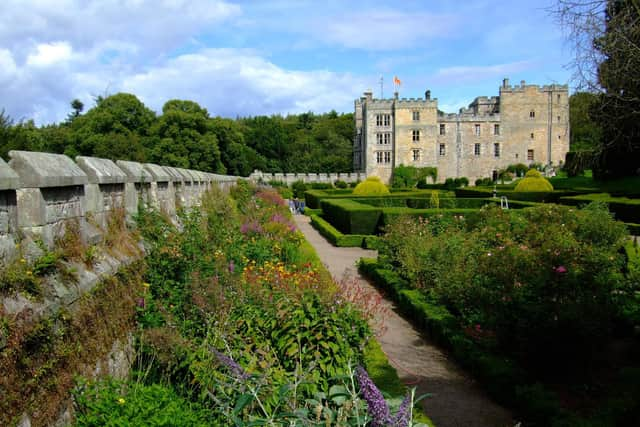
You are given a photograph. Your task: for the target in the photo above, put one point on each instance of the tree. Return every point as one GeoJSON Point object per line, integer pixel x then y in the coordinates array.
{"type": "Point", "coordinates": [77, 107]}
{"type": "Point", "coordinates": [586, 134]}
{"type": "Point", "coordinates": [606, 39]}
{"type": "Point", "coordinates": [183, 136]}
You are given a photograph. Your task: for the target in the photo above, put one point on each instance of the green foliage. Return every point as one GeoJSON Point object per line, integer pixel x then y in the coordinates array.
{"type": "Point", "coordinates": [372, 186]}
{"type": "Point", "coordinates": [538, 281]}
{"type": "Point", "coordinates": [340, 184]}
{"type": "Point", "coordinates": [579, 161]}
{"type": "Point", "coordinates": [533, 182]}
{"type": "Point", "coordinates": [351, 217]}
{"type": "Point", "coordinates": [112, 403]}
{"type": "Point", "coordinates": [334, 236]}
{"type": "Point", "coordinates": [585, 132]}
{"type": "Point", "coordinates": [624, 208]}
{"type": "Point", "coordinates": [299, 188]}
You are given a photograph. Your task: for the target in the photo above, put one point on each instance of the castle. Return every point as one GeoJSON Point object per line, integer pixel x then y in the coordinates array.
{"type": "Point", "coordinates": [524, 124]}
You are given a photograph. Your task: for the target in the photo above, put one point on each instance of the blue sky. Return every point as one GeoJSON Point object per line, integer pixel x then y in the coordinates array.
{"type": "Point", "coordinates": [239, 58]}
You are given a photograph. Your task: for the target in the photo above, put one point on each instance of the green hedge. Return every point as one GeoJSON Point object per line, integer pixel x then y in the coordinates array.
{"type": "Point", "coordinates": [334, 236]}
{"type": "Point", "coordinates": [313, 197]}
{"type": "Point", "coordinates": [309, 211]}
{"type": "Point", "coordinates": [528, 196]}
{"type": "Point", "coordinates": [391, 214]}
{"type": "Point", "coordinates": [624, 208]}
{"type": "Point", "coordinates": [504, 380]}
{"type": "Point", "coordinates": [351, 217]}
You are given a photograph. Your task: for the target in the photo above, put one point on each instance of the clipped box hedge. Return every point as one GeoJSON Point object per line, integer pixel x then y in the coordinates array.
{"type": "Point", "coordinates": [314, 197]}
{"type": "Point", "coordinates": [335, 236]}
{"type": "Point", "coordinates": [351, 217]}
{"type": "Point", "coordinates": [527, 196]}
{"type": "Point", "coordinates": [624, 208]}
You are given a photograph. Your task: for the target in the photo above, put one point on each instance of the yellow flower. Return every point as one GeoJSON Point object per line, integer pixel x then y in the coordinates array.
{"type": "Point", "coordinates": [121, 401]}
{"type": "Point", "coordinates": [23, 261]}
{"type": "Point", "coordinates": [29, 273]}
{"type": "Point", "coordinates": [146, 285]}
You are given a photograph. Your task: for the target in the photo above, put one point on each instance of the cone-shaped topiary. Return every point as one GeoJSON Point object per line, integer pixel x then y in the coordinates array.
{"type": "Point", "coordinates": [534, 181]}
{"type": "Point", "coordinates": [372, 186]}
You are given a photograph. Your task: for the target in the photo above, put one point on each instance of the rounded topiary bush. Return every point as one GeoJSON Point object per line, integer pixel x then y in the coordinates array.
{"type": "Point", "coordinates": [372, 186]}
{"type": "Point", "coordinates": [534, 181]}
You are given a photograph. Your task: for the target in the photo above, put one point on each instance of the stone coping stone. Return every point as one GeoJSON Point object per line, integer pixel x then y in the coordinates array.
{"type": "Point", "coordinates": [176, 176]}
{"type": "Point", "coordinates": [9, 180]}
{"type": "Point", "coordinates": [186, 173]}
{"type": "Point", "coordinates": [135, 171]}
{"type": "Point", "coordinates": [101, 171]}
{"type": "Point", "coordinates": [159, 173]}
{"type": "Point", "coordinates": [38, 170]}
{"type": "Point", "coordinates": [197, 175]}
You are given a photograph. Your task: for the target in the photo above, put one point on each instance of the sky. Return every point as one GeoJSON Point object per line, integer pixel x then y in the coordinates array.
{"type": "Point", "coordinates": [254, 57]}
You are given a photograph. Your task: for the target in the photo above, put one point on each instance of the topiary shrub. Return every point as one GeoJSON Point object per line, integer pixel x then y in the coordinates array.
{"type": "Point", "coordinates": [372, 186]}
{"type": "Point", "coordinates": [533, 181]}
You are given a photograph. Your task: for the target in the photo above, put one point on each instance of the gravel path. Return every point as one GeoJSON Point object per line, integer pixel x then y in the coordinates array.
{"type": "Point", "coordinates": [457, 400]}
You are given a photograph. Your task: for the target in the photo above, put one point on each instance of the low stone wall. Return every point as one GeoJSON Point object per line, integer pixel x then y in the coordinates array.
{"type": "Point", "coordinates": [40, 193]}
{"type": "Point", "coordinates": [308, 178]}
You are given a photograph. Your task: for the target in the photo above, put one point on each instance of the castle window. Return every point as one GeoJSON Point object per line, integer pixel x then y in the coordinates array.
{"type": "Point", "coordinates": [496, 129]}
{"type": "Point", "coordinates": [416, 116]}
{"type": "Point", "coordinates": [558, 118]}
{"type": "Point", "coordinates": [383, 138]}
{"type": "Point", "coordinates": [532, 114]}
{"type": "Point", "coordinates": [387, 156]}
{"type": "Point", "coordinates": [530, 155]}
{"type": "Point", "coordinates": [558, 97]}
{"type": "Point", "coordinates": [383, 119]}
{"type": "Point", "coordinates": [442, 129]}
{"type": "Point", "coordinates": [379, 157]}
{"type": "Point", "coordinates": [442, 150]}
{"type": "Point", "coordinates": [477, 130]}
{"type": "Point", "coordinates": [532, 135]}
{"type": "Point", "coordinates": [416, 135]}
{"type": "Point", "coordinates": [416, 155]}
{"type": "Point", "coordinates": [496, 150]}
{"type": "Point", "coordinates": [476, 149]}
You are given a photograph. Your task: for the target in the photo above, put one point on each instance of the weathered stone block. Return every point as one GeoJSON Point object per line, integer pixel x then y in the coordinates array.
{"type": "Point", "coordinates": [9, 180]}
{"type": "Point", "coordinates": [101, 171]}
{"type": "Point", "coordinates": [135, 171]}
{"type": "Point", "coordinates": [41, 170]}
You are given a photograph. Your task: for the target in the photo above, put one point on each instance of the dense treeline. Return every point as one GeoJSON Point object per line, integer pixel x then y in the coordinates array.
{"type": "Point", "coordinates": [185, 135]}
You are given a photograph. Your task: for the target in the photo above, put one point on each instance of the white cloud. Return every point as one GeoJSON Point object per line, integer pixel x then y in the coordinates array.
{"type": "Point", "coordinates": [8, 66]}
{"type": "Point", "coordinates": [231, 81]}
{"type": "Point", "coordinates": [382, 29]}
{"type": "Point", "coordinates": [50, 53]}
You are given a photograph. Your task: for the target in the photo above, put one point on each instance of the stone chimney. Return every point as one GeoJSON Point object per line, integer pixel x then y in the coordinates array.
{"type": "Point", "coordinates": [522, 83]}
{"type": "Point", "coordinates": [505, 82]}
{"type": "Point", "coordinates": [368, 94]}
{"type": "Point", "coordinates": [427, 95]}
{"type": "Point", "coordinates": [395, 95]}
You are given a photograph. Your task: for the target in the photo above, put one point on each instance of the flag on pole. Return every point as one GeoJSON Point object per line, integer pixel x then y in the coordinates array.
{"type": "Point", "coordinates": [396, 81]}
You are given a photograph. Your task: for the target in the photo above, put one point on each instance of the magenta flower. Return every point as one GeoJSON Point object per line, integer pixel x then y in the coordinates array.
{"type": "Point", "coordinates": [561, 269]}
{"type": "Point", "coordinates": [140, 302]}
{"type": "Point", "coordinates": [232, 266]}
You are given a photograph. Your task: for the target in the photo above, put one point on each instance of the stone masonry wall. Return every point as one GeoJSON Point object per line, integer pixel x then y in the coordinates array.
{"type": "Point", "coordinates": [41, 192]}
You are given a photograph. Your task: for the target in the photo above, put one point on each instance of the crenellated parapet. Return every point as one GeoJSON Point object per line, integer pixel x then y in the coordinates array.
{"type": "Point", "coordinates": [308, 178]}
{"type": "Point", "coordinates": [41, 193]}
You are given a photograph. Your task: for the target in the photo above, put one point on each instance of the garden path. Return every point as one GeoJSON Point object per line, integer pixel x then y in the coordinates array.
{"type": "Point", "coordinates": [457, 399]}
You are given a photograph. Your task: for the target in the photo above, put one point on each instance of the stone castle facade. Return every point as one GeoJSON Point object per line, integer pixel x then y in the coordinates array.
{"type": "Point", "coordinates": [524, 124]}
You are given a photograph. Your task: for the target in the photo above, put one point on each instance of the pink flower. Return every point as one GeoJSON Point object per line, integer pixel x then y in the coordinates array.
{"type": "Point", "coordinates": [561, 269]}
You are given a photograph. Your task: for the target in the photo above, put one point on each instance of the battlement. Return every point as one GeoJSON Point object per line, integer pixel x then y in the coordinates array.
{"type": "Point", "coordinates": [507, 88]}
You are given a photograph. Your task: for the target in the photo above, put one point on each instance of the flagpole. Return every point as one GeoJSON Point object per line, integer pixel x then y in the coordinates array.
{"type": "Point", "coordinates": [381, 87]}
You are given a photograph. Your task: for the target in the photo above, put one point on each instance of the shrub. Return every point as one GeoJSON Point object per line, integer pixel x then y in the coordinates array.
{"type": "Point", "coordinates": [340, 184]}
{"type": "Point", "coordinates": [299, 187]}
{"type": "Point", "coordinates": [533, 182]}
{"type": "Point", "coordinates": [372, 186]}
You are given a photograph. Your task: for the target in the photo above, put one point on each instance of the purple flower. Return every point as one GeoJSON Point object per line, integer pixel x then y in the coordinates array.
{"type": "Point", "coordinates": [401, 419]}
{"type": "Point", "coordinates": [140, 302]}
{"type": "Point", "coordinates": [378, 408]}
{"type": "Point", "coordinates": [232, 266]}
{"type": "Point", "coordinates": [233, 367]}
{"type": "Point", "coordinates": [251, 227]}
